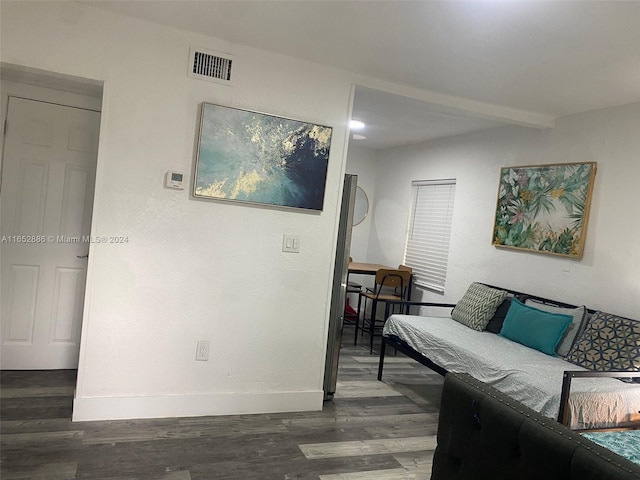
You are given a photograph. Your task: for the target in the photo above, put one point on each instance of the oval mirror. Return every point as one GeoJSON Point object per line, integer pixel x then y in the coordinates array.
{"type": "Point", "coordinates": [361, 207]}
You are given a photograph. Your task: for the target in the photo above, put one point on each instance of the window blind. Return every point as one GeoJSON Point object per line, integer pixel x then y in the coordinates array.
{"type": "Point", "coordinates": [427, 246]}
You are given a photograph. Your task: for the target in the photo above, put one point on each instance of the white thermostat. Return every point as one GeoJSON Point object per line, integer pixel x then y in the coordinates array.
{"type": "Point", "coordinates": [174, 180]}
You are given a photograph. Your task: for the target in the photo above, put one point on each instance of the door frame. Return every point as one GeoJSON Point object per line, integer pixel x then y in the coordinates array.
{"type": "Point", "coordinates": [53, 88]}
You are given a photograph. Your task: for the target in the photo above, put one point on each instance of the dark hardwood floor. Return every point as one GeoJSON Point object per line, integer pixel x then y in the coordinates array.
{"type": "Point", "coordinates": [370, 430]}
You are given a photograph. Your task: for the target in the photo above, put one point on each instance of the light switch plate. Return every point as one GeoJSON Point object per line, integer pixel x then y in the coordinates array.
{"type": "Point", "coordinates": [291, 243]}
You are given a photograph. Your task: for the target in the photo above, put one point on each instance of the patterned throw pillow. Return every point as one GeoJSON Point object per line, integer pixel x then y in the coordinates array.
{"type": "Point", "coordinates": [608, 343]}
{"type": "Point", "coordinates": [477, 306]}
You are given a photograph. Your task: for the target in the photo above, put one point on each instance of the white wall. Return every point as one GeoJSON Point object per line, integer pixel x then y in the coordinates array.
{"type": "Point", "coordinates": [192, 270]}
{"type": "Point", "coordinates": [362, 161]}
{"type": "Point", "coordinates": [607, 277]}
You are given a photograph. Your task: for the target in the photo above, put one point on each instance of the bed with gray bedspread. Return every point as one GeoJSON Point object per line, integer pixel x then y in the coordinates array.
{"type": "Point", "coordinates": [542, 353]}
{"type": "Point", "coordinates": [525, 374]}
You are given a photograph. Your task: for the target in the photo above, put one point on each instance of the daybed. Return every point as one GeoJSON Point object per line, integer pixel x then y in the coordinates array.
{"type": "Point", "coordinates": [541, 381]}
{"type": "Point", "coordinates": [484, 434]}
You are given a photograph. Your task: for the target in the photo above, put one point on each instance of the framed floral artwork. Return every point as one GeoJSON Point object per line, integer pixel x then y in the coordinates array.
{"type": "Point", "coordinates": [544, 208]}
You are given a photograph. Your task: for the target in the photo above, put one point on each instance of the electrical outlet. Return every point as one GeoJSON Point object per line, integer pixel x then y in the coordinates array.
{"type": "Point", "coordinates": [202, 351]}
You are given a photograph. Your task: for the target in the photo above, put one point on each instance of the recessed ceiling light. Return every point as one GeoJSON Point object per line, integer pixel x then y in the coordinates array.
{"type": "Point", "coordinates": [356, 125]}
{"type": "Point", "coordinates": [358, 137]}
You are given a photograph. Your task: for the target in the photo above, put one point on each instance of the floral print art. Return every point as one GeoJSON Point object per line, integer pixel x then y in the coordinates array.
{"type": "Point", "coordinates": [544, 208]}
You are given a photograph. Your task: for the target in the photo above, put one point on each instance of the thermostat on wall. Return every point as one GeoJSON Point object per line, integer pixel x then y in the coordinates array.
{"type": "Point", "coordinates": [174, 180]}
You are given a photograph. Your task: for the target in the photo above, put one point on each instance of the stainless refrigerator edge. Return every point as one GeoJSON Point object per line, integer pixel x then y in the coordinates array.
{"type": "Point", "coordinates": [339, 288]}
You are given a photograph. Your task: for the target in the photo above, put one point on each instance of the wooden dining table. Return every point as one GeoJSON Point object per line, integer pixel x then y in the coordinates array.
{"type": "Point", "coordinates": [366, 268]}
{"type": "Point", "coordinates": [360, 268]}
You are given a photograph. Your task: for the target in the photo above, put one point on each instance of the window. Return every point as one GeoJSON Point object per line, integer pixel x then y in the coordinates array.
{"type": "Point", "coordinates": [427, 247]}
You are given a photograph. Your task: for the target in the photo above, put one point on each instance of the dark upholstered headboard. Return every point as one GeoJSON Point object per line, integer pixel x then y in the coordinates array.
{"type": "Point", "coordinates": [484, 434]}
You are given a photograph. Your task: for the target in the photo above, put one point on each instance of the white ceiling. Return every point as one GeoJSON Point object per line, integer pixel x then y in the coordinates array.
{"type": "Point", "coordinates": [393, 120]}
{"type": "Point", "coordinates": [552, 58]}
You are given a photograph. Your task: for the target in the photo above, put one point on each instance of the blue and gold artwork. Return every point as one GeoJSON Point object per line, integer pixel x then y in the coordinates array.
{"type": "Point", "coordinates": [253, 157]}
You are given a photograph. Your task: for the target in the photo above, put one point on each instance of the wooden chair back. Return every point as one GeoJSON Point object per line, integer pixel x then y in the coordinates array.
{"type": "Point", "coordinates": [393, 278]}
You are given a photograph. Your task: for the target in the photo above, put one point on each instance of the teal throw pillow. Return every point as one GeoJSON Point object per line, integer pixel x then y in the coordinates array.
{"type": "Point", "coordinates": [572, 330]}
{"type": "Point", "coordinates": [534, 328]}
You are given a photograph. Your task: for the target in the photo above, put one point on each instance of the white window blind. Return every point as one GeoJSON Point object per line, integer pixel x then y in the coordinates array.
{"type": "Point", "coordinates": [427, 248]}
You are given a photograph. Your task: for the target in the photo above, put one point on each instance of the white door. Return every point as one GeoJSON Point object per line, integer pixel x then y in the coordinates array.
{"type": "Point", "coordinates": [48, 177]}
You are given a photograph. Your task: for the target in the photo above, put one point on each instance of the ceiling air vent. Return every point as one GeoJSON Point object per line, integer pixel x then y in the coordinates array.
{"type": "Point", "coordinates": [210, 65]}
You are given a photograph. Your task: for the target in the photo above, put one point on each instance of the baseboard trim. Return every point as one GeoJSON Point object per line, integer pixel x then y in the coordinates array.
{"type": "Point", "coordinates": [125, 408]}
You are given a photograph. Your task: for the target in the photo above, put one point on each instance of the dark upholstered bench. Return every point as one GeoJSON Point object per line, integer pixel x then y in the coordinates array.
{"type": "Point", "coordinates": [484, 434]}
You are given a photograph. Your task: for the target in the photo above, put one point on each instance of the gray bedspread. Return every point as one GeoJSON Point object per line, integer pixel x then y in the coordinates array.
{"type": "Point", "coordinates": [525, 374]}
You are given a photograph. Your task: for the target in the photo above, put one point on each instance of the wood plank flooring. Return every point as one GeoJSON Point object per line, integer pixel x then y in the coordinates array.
{"type": "Point", "coordinates": [370, 431]}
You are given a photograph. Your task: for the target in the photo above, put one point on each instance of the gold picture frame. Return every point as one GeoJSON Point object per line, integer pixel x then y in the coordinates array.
{"type": "Point", "coordinates": [544, 208]}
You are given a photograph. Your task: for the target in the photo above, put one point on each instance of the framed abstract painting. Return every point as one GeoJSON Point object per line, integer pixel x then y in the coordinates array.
{"type": "Point", "coordinates": [253, 157]}
{"type": "Point", "coordinates": [544, 208]}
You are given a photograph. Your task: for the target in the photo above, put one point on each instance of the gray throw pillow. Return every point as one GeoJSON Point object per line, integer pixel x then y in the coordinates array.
{"type": "Point", "coordinates": [477, 306]}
